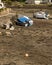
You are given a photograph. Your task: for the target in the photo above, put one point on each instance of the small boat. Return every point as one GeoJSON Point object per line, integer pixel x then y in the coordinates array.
{"type": "Point", "coordinates": [24, 21]}
{"type": "Point", "coordinates": [41, 15]}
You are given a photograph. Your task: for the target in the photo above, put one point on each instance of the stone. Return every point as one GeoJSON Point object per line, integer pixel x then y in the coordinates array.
{"type": "Point", "coordinates": [8, 33]}
{"type": "Point", "coordinates": [26, 54]}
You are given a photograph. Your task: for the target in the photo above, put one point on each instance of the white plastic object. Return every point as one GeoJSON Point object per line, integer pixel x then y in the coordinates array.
{"type": "Point", "coordinates": [31, 22]}
{"type": "Point", "coordinates": [12, 28]}
{"type": "Point", "coordinates": [2, 5]}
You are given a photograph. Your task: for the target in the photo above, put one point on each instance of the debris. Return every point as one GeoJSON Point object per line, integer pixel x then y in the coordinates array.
{"type": "Point", "coordinates": [1, 5]}
{"type": "Point", "coordinates": [12, 28]}
{"type": "Point", "coordinates": [8, 26]}
{"type": "Point", "coordinates": [24, 21]}
{"type": "Point", "coordinates": [37, 2]}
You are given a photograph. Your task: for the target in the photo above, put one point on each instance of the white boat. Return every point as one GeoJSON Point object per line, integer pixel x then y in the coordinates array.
{"type": "Point", "coordinates": [41, 15]}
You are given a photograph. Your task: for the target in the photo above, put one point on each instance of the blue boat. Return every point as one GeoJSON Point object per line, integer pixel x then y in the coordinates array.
{"type": "Point", "coordinates": [24, 21]}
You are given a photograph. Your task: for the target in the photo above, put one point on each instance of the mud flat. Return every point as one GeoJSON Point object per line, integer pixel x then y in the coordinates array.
{"type": "Point", "coordinates": [36, 41]}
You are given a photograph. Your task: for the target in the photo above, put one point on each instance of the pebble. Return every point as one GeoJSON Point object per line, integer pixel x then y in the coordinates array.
{"type": "Point", "coordinates": [0, 33]}
{"type": "Point", "coordinates": [26, 54]}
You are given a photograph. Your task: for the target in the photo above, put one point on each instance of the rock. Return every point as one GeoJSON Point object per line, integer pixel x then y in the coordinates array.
{"type": "Point", "coordinates": [8, 33]}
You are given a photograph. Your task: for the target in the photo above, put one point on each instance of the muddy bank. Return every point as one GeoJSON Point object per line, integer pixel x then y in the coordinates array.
{"type": "Point", "coordinates": [36, 41]}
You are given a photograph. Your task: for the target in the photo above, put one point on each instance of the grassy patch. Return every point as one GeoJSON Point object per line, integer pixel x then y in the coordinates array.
{"type": "Point", "coordinates": [1, 9]}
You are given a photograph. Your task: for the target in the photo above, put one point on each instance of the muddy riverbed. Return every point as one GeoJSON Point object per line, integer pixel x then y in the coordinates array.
{"type": "Point", "coordinates": [36, 41]}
